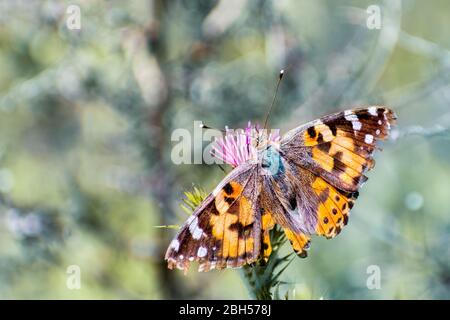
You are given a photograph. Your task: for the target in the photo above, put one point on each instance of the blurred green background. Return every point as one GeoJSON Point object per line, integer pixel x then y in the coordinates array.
{"type": "Point", "coordinates": [86, 118]}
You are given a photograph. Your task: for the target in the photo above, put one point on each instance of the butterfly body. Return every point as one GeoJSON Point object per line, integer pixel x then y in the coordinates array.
{"type": "Point", "coordinates": [271, 161]}
{"type": "Point", "coordinates": [306, 182]}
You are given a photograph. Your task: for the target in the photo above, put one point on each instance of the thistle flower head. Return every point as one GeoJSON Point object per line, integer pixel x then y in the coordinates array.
{"type": "Point", "coordinates": [239, 146]}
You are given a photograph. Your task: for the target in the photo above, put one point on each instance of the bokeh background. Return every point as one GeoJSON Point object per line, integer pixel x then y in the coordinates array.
{"type": "Point", "coordinates": [86, 118]}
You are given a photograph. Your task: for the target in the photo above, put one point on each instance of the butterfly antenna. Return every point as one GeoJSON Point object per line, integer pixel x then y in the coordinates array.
{"type": "Point", "coordinates": [280, 76]}
{"type": "Point", "coordinates": [204, 126]}
{"type": "Point", "coordinates": [221, 168]}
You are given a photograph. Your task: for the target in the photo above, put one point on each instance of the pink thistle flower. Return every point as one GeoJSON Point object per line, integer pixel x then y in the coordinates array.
{"type": "Point", "coordinates": [239, 146]}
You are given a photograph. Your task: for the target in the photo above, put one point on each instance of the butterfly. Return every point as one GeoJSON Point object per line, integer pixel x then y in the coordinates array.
{"type": "Point", "coordinates": [306, 182]}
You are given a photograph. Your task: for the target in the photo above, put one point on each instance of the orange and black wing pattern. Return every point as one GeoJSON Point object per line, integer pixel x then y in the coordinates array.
{"type": "Point", "coordinates": [225, 230]}
{"type": "Point", "coordinates": [330, 157]}
{"type": "Point", "coordinates": [339, 147]}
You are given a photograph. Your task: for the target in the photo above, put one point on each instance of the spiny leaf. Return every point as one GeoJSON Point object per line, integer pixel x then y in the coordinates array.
{"type": "Point", "coordinates": [192, 199]}
{"type": "Point", "coordinates": [277, 275]}
{"type": "Point", "coordinates": [170, 226]}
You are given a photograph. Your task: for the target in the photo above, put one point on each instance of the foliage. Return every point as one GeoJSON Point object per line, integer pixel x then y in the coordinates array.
{"type": "Point", "coordinates": [86, 118]}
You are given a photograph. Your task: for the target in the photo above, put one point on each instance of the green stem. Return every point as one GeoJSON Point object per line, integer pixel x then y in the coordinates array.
{"type": "Point", "coordinates": [260, 278]}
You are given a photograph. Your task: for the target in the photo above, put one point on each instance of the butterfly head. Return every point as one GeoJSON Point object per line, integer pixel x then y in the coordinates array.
{"type": "Point", "coordinates": [270, 160]}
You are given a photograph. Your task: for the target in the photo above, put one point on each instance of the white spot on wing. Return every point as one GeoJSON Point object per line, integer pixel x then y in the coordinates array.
{"type": "Point", "coordinates": [192, 222]}
{"type": "Point", "coordinates": [197, 234]}
{"type": "Point", "coordinates": [356, 125]}
{"type": "Point", "coordinates": [377, 132]}
{"type": "Point", "coordinates": [372, 110]}
{"type": "Point", "coordinates": [350, 116]}
{"type": "Point", "coordinates": [368, 138]}
{"type": "Point", "coordinates": [194, 229]}
{"type": "Point", "coordinates": [202, 251]}
{"type": "Point", "coordinates": [190, 219]}
{"type": "Point", "coordinates": [175, 245]}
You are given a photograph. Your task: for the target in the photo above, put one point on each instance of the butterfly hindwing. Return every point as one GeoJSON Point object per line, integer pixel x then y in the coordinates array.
{"type": "Point", "coordinates": [267, 224]}
{"type": "Point", "coordinates": [278, 198]}
{"type": "Point", "coordinates": [325, 205]}
{"type": "Point", "coordinates": [225, 230]}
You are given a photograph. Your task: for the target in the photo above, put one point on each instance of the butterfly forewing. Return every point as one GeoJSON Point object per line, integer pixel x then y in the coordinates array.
{"type": "Point", "coordinates": [339, 147]}
{"type": "Point", "coordinates": [225, 230]}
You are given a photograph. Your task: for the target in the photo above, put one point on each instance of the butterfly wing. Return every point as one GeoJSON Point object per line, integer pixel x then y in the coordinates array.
{"type": "Point", "coordinates": [225, 230]}
{"type": "Point", "coordinates": [276, 203]}
{"type": "Point", "coordinates": [339, 147]}
{"type": "Point", "coordinates": [325, 162]}
{"type": "Point", "coordinates": [322, 208]}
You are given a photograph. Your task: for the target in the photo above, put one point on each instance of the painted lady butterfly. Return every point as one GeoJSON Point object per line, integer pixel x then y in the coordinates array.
{"type": "Point", "coordinates": [319, 169]}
